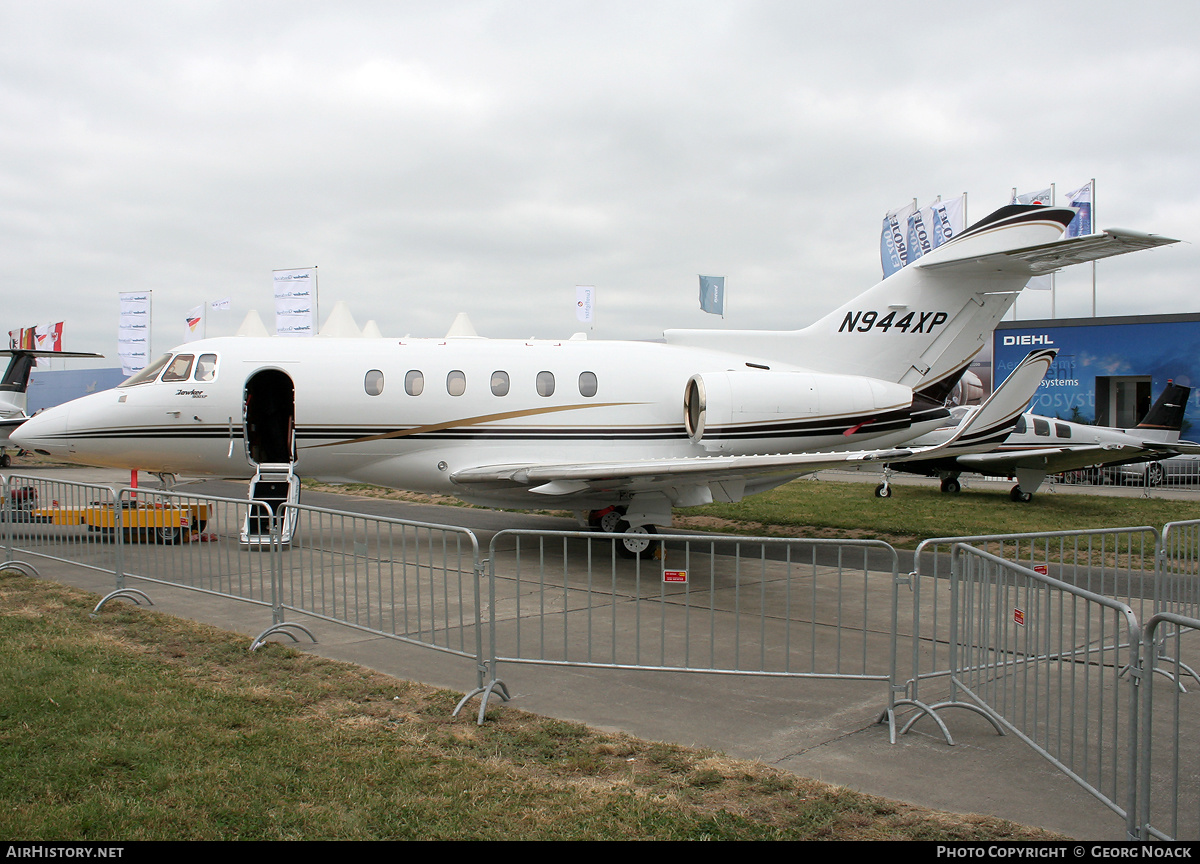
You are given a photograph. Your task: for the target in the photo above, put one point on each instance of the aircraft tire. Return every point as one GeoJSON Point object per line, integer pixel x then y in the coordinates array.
{"type": "Point", "coordinates": [607, 522]}
{"type": "Point", "coordinates": [5, 461]}
{"type": "Point", "coordinates": [951, 486]}
{"type": "Point", "coordinates": [637, 542]}
{"type": "Point", "coordinates": [1155, 474]}
{"type": "Point", "coordinates": [1020, 497]}
{"type": "Point", "coordinates": [883, 490]}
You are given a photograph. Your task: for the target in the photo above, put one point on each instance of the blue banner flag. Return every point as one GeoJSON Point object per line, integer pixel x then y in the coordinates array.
{"type": "Point", "coordinates": [712, 294]}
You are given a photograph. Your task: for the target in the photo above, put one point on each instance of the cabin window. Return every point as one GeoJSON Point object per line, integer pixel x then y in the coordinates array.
{"type": "Point", "coordinates": [545, 383]}
{"type": "Point", "coordinates": [587, 383]}
{"type": "Point", "coordinates": [149, 373]}
{"type": "Point", "coordinates": [1020, 427]}
{"type": "Point", "coordinates": [1041, 427]}
{"type": "Point", "coordinates": [1062, 430]}
{"type": "Point", "coordinates": [414, 382]}
{"type": "Point", "coordinates": [456, 383]}
{"type": "Point", "coordinates": [499, 383]}
{"type": "Point", "coordinates": [373, 382]}
{"type": "Point", "coordinates": [179, 368]}
{"type": "Point", "coordinates": [206, 367]}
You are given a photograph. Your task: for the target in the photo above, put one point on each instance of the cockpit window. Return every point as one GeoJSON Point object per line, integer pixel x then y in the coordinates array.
{"type": "Point", "coordinates": [206, 367]}
{"type": "Point", "coordinates": [179, 368]}
{"type": "Point", "coordinates": [149, 373]}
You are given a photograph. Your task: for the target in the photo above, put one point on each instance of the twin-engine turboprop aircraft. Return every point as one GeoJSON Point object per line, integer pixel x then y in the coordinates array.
{"type": "Point", "coordinates": [620, 432]}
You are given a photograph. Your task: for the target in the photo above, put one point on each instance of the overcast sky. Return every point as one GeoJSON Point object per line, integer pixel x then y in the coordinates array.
{"type": "Point", "coordinates": [487, 157]}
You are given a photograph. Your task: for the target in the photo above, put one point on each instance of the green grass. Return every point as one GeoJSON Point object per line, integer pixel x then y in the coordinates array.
{"type": "Point", "coordinates": [138, 726]}
{"type": "Point", "coordinates": [809, 507]}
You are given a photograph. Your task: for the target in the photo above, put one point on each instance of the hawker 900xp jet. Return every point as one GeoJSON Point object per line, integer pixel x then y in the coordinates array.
{"type": "Point", "coordinates": [620, 432]}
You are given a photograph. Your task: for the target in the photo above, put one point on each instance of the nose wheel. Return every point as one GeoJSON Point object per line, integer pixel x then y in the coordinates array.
{"type": "Point", "coordinates": [1020, 497]}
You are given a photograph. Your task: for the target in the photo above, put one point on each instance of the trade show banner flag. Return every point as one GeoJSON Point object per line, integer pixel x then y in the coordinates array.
{"type": "Point", "coordinates": [919, 241]}
{"type": "Point", "coordinates": [892, 247]}
{"type": "Point", "coordinates": [1081, 200]}
{"type": "Point", "coordinates": [585, 303]}
{"type": "Point", "coordinates": [712, 294]}
{"type": "Point", "coordinates": [133, 331]}
{"type": "Point", "coordinates": [225, 303]}
{"type": "Point", "coordinates": [295, 301]}
{"type": "Point", "coordinates": [948, 219]}
{"type": "Point", "coordinates": [47, 337]}
{"type": "Point", "coordinates": [195, 324]}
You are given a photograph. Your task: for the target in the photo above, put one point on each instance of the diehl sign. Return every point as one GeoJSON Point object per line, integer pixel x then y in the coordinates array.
{"type": "Point", "coordinates": [1041, 339]}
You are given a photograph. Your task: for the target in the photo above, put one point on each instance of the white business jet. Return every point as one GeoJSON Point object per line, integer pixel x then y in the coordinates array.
{"type": "Point", "coordinates": [619, 432]}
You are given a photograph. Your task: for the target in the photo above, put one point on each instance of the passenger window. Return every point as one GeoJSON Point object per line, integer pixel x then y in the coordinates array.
{"type": "Point", "coordinates": [373, 382]}
{"type": "Point", "coordinates": [180, 368]}
{"type": "Point", "coordinates": [545, 383]}
{"type": "Point", "coordinates": [587, 383]}
{"type": "Point", "coordinates": [1020, 427]}
{"type": "Point", "coordinates": [206, 367]}
{"type": "Point", "coordinates": [1062, 430]}
{"type": "Point", "coordinates": [456, 383]}
{"type": "Point", "coordinates": [1041, 427]}
{"type": "Point", "coordinates": [499, 383]}
{"type": "Point", "coordinates": [414, 383]}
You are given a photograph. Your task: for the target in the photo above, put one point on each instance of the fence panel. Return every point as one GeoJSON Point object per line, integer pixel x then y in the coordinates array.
{"type": "Point", "coordinates": [1180, 589]}
{"type": "Point", "coordinates": [748, 606]}
{"type": "Point", "coordinates": [58, 519]}
{"type": "Point", "coordinates": [1121, 563]}
{"type": "Point", "coordinates": [192, 541]}
{"type": "Point", "coordinates": [409, 580]}
{"type": "Point", "coordinates": [1169, 769]}
{"type": "Point", "coordinates": [1051, 662]}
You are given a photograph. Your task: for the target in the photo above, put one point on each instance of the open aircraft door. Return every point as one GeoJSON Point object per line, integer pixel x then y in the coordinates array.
{"type": "Point", "coordinates": [269, 427]}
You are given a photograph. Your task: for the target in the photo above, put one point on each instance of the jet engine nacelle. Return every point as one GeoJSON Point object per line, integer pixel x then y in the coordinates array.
{"type": "Point", "coordinates": [719, 406]}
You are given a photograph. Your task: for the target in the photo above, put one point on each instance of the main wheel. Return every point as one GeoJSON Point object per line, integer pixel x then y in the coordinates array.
{"type": "Point", "coordinates": [1155, 474]}
{"type": "Point", "coordinates": [606, 520]}
{"type": "Point", "coordinates": [636, 542]}
{"type": "Point", "coordinates": [951, 486]}
{"type": "Point", "coordinates": [5, 460]}
{"type": "Point", "coordinates": [883, 490]}
{"type": "Point", "coordinates": [1021, 497]}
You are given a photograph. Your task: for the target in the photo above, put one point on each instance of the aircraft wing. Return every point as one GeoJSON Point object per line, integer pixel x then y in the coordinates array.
{"type": "Point", "coordinates": [1053, 460]}
{"type": "Point", "coordinates": [1049, 257]}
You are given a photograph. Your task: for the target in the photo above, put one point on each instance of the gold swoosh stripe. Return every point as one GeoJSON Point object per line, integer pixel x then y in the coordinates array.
{"type": "Point", "coordinates": [470, 421]}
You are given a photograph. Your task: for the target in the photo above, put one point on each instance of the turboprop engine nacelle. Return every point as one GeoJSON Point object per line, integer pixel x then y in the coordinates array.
{"type": "Point", "coordinates": [820, 408]}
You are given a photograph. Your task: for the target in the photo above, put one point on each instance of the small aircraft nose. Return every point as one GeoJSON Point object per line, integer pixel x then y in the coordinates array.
{"type": "Point", "coordinates": [44, 433]}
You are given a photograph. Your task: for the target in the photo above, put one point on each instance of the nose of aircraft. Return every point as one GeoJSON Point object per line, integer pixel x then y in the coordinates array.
{"type": "Point", "coordinates": [45, 432]}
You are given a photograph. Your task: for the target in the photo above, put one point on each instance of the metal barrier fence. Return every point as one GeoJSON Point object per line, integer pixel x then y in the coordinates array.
{"type": "Point", "coordinates": [411, 581]}
{"type": "Point", "coordinates": [1168, 779]}
{"type": "Point", "coordinates": [60, 520]}
{"type": "Point", "coordinates": [726, 605]}
{"type": "Point", "coordinates": [1123, 563]}
{"type": "Point", "coordinates": [1049, 662]}
{"type": "Point", "coordinates": [1039, 632]}
{"type": "Point", "coordinates": [192, 541]}
{"type": "Point", "coordinates": [1180, 568]}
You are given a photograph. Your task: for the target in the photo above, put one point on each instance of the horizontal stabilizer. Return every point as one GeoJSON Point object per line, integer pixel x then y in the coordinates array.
{"type": "Point", "coordinates": [1048, 257]}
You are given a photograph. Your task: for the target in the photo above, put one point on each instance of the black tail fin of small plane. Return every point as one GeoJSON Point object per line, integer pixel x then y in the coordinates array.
{"type": "Point", "coordinates": [1166, 414]}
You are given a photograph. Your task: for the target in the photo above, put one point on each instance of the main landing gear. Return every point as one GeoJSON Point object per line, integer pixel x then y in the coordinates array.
{"type": "Point", "coordinates": [636, 541]}
{"type": "Point", "coordinates": [1015, 494]}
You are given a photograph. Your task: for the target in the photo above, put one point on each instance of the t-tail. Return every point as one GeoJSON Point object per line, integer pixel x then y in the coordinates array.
{"type": "Point", "coordinates": [922, 325]}
{"type": "Point", "coordinates": [1164, 420]}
